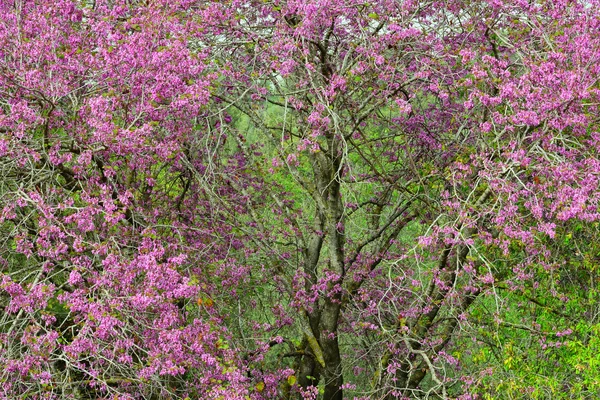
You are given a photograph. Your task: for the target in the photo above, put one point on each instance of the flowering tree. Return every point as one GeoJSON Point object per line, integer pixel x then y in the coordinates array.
{"type": "Point", "coordinates": [296, 199]}
{"type": "Point", "coordinates": [448, 126]}
{"type": "Point", "coordinates": [103, 108]}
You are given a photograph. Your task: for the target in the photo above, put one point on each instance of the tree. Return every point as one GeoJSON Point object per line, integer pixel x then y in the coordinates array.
{"type": "Point", "coordinates": [291, 199]}
{"type": "Point", "coordinates": [436, 122]}
{"type": "Point", "coordinates": [100, 110]}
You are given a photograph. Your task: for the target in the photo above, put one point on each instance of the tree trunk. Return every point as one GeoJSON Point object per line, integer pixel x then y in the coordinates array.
{"type": "Point", "coordinates": [332, 373]}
